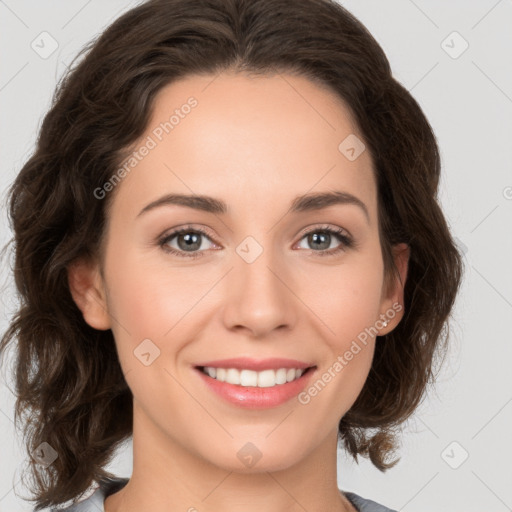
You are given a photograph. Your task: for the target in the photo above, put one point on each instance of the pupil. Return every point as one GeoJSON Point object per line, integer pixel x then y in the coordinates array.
{"type": "Point", "coordinates": [191, 241]}
{"type": "Point", "coordinates": [315, 237]}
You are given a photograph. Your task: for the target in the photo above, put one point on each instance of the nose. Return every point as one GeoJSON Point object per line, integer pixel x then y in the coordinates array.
{"type": "Point", "coordinates": [260, 296]}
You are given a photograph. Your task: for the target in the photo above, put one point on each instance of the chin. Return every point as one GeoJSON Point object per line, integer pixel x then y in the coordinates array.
{"type": "Point", "coordinates": [253, 456]}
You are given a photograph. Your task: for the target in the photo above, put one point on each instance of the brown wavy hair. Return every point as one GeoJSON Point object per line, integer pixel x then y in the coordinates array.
{"type": "Point", "coordinates": [68, 381]}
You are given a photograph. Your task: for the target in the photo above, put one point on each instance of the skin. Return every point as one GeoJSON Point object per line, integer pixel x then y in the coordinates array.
{"type": "Point", "coordinates": [255, 143]}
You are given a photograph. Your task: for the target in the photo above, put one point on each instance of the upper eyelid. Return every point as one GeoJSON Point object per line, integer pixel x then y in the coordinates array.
{"type": "Point", "coordinates": [322, 227]}
{"type": "Point", "coordinates": [185, 229]}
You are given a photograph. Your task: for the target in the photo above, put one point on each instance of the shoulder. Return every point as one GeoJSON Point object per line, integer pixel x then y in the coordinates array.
{"type": "Point", "coordinates": [94, 503]}
{"type": "Point", "coordinates": [365, 505]}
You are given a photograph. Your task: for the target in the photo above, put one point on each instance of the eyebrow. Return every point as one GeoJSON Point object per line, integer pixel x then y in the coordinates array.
{"type": "Point", "coordinates": [304, 203]}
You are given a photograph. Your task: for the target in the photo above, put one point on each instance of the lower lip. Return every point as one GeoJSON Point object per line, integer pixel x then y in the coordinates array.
{"type": "Point", "coordinates": [252, 397]}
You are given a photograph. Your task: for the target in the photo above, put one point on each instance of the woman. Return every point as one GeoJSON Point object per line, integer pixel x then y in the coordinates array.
{"type": "Point", "coordinates": [166, 230]}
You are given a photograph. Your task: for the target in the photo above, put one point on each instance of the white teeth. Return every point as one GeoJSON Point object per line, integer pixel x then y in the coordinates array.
{"type": "Point", "coordinates": [246, 378]}
{"type": "Point", "coordinates": [263, 379]}
{"type": "Point", "coordinates": [233, 376]}
{"type": "Point", "coordinates": [281, 376]}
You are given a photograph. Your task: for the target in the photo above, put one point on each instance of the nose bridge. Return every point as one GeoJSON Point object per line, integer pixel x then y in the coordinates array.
{"type": "Point", "coordinates": [258, 297]}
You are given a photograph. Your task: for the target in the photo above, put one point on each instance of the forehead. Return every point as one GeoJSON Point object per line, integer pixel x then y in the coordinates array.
{"type": "Point", "coordinates": [248, 140]}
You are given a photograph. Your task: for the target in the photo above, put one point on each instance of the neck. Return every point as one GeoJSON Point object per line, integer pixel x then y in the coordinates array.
{"type": "Point", "coordinates": [167, 477]}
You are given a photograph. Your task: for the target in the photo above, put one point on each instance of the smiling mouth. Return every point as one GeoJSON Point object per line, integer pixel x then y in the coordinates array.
{"type": "Point", "coordinates": [250, 378]}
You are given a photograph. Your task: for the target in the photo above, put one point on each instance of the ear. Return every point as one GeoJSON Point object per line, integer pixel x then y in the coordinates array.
{"type": "Point", "coordinates": [88, 291]}
{"type": "Point", "coordinates": [392, 301]}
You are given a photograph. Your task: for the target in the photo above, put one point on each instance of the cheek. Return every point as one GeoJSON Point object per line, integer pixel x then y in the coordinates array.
{"type": "Point", "coordinates": [153, 302]}
{"type": "Point", "coordinates": [147, 298]}
{"type": "Point", "coordinates": [346, 298]}
{"type": "Point", "coordinates": [347, 311]}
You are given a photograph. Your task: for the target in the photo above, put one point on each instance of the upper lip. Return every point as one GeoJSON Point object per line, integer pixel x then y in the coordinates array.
{"type": "Point", "coordinates": [242, 363]}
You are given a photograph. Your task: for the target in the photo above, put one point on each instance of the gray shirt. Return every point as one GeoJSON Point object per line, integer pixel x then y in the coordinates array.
{"type": "Point", "coordinates": [95, 502]}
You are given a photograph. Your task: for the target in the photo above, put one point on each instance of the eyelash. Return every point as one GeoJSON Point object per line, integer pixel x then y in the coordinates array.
{"type": "Point", "coordinates": [346, 241]}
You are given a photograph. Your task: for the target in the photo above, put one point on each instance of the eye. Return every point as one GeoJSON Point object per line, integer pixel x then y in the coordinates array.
{"type": "Point", "coordinates": [189, 241]}
{"type": "Point", "coordinates": [322, 237]}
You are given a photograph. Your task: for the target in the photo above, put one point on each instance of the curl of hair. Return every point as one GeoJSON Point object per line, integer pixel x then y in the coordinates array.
{"type": "Point", "coordinates": [68, 380]}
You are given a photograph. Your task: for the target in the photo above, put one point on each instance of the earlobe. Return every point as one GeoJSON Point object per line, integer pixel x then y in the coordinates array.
{"type": "Point", "coordinates": [87, 289]}
{"type": "Point", "coordinates": [394, 293]}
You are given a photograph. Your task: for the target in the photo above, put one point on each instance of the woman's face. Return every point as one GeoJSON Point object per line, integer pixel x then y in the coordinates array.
{"type": "Point", "coordinates": [258, 278]}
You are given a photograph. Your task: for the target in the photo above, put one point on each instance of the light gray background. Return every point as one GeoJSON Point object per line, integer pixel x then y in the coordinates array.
{"type": "Point", "coordinates": [468, 101]}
